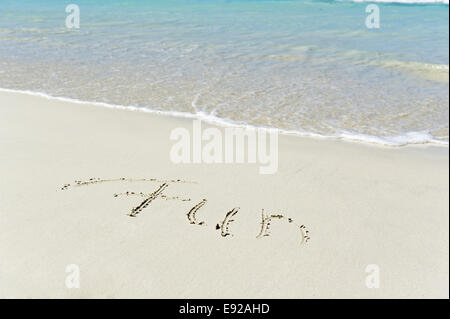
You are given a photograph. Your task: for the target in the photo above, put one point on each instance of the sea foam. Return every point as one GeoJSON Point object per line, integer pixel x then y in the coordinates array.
{"type": "Point", "coordinates": [393, 140]}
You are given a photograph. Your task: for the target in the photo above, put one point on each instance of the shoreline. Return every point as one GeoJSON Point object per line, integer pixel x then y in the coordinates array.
{"type": "Point", "coordinates": [363, 204]}
{"type": "Point", "coordinates": [216, 121]}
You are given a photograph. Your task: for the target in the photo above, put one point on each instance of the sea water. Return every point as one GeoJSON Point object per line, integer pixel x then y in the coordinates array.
{"type": "Point", "coordinates": [305, 67]}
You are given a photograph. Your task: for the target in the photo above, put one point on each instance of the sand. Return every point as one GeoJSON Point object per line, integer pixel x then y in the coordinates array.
{"type": "Point", "coordinates": [362, 204]}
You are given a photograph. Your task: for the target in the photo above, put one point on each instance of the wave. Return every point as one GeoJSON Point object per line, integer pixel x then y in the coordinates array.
{"type": "Point", "coordinates": [394, 140]}
{"type": "Point", "coordinates": [402, 1]}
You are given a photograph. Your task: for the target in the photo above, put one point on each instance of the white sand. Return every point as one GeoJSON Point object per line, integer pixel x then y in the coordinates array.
{"type": "Point", "coordinates": [363, 204]}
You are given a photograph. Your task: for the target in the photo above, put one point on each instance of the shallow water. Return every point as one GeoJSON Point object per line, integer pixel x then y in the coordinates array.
{"type": "Point", "coordinates": [310, 67]}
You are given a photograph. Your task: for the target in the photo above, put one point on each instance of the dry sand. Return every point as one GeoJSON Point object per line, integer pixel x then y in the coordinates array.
{"type": "Point", "coordinates": [363, 205]}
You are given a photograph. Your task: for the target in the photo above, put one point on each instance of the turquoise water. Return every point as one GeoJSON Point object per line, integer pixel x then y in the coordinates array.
{"type": "Point", "coordinates": [309, 67]}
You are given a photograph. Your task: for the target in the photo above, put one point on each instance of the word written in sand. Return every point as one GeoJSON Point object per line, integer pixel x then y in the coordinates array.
{"type": "Point", "coordinates": [223, 226]}
{"type": "Point", "coordinates": [265, 223]}
{"type": "Point", "coordinates": [191, 214]}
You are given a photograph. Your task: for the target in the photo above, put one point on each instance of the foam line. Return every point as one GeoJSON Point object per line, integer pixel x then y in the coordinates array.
{"type": "Point", "coordinates": [396, 140]}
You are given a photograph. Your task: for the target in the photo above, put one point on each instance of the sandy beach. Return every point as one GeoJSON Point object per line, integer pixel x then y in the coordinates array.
{"type": "Point", "coordinates": [362, 205]}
